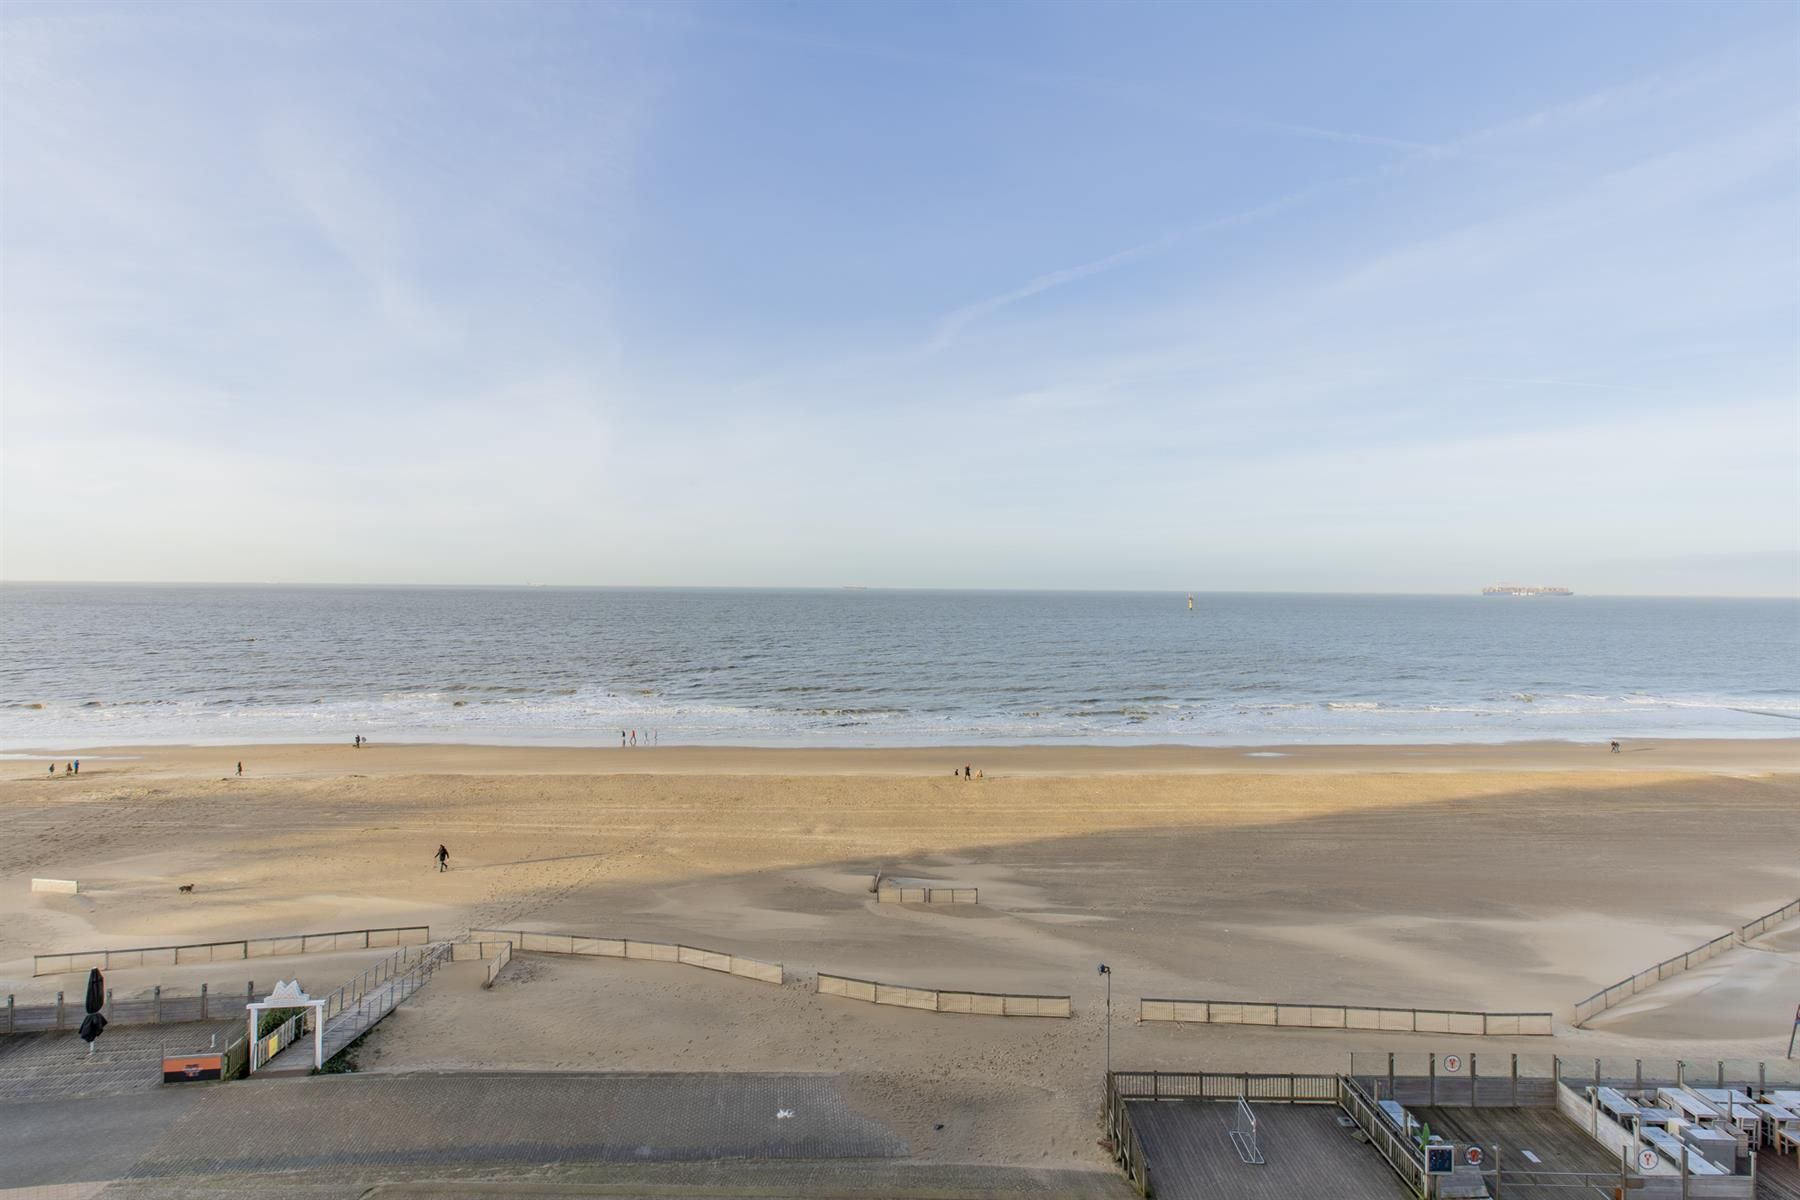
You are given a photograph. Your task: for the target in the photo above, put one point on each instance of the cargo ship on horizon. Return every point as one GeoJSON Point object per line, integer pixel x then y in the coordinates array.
{"type": "Point", "coordinates": [1514, 589]}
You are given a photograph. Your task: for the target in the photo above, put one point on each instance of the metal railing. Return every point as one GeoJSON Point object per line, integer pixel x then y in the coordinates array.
{"type": "Point", "coordinates": [1128, 1151]}
{"type": "Point", "coordinates": [1401, 1155]}
{"type": "Point", "coordinates": [1288, 1014]}
{"type": "Point", "coordinates": [351, 1020]}
{"type": "Point", "coordinates": [391, 967]}
{"type": "Point", "coordinates": [1221, 1085]}
{"type": "Point", "coordinates": [231, 951]}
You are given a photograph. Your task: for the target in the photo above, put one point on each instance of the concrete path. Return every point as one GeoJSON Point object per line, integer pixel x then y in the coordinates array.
{"type": "Point", "coordinates": [865, 1179]}
{"type": "Point", "coordinates": [410, 1136]}
{"type": "Point", "coordinates": [432, 1119]}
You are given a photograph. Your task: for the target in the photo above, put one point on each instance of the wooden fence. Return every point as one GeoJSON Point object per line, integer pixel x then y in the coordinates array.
{"type": "Point", "coordinates": [531, 941]}
{"type": "Point", "coordinates": [928, 895]}
{"type": "Point", "coordinates": [158, 1008]}
{"type": "Point", "coordinates": [495, 954]}
{"type": "Point", "coordinates": [1345, 1016]}
{"type": "Point", "coordinates": [993, 1004]}
{"type": "Point", "coordinates": [1768, 921]}
{"type": "Point", "coordinates": [1607, 997]}
{"type": "Point", "coordinates": [205, 952]}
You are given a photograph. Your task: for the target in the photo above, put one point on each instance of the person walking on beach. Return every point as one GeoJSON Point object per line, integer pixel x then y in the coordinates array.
{"type": "Point", "coordinates": [443, 858]}
{"type": "Point", "coordinates": [78, 766]}
{"type": "Point", "coordinates": [1615, 747]}
{"type": "Point", "coordinates": [240, 770]}
{"type": "Point", "coordinates": [634, 737]}
{"type": "Point", "coordinates": [968, 771]}
{"type": "Point", "coordinates": [621, 739]}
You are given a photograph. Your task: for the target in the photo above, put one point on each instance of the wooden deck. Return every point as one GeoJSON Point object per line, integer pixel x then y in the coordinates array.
{"type": "Point", "coordinates": [1560, 1147]}
{"type": "Point", "coordinates": [1777, 1177]}
{"type": "Point", "coordinates": [1307, 1154]}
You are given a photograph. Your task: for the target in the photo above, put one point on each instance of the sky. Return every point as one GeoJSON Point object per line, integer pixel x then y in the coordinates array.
{"type": "Point", "coordinates": [1295, 297]}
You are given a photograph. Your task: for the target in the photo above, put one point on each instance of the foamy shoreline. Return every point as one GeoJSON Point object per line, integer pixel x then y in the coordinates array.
{"type": "Point", "coordinates": [414, 758]}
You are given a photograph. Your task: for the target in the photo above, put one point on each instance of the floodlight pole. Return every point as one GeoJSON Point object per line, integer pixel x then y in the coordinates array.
{"type": "Point", "coordinates": [1107, 971]}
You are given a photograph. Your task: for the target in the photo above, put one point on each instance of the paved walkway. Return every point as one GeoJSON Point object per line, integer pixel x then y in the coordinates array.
{"type": "Point", "coordinates": [434, 1120]}
{"type": "Point", "coordinates": [865, 1179]}
{"type": "Point", "coordinates": [127, 1059]}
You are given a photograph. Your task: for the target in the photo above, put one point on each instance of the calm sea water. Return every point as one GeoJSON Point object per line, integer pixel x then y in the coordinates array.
{"type": "Point", "coordinates": [91, 665]}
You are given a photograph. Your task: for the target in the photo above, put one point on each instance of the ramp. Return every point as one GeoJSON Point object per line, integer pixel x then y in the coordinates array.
{"type": "Point", "coordinates": [358, 1016]}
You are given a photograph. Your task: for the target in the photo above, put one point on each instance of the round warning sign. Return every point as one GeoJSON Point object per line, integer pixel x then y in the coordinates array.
{"type": "Point", "coordinates": [1452, 1063]}
{"type": "Point", "coordinates": [1646, 1159]}
{"type": "Point", "coordinates": [1472, 1156]}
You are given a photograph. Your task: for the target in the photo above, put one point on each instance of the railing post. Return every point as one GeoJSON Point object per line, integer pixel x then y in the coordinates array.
{"type": "Point", "coordinates": [1431, 1085]}
{"type": "Point", "coordinates": [59, 1010]}
{"type": "Point", "coordinates": [1721, 1082]}
{"type": "Point", "coordinates": [9, 1012]}
{"type": "Point", "coordinates": [203, 1002]}
{"type": "Point", "coordinates": [1474, 1081]}
{"type": "Point", "coordinates": [1640, 1079]}
{"type": "Point", "coordinates": [1515, 1102]}
{"type": "Point", "coordinates": [1680, 1072]}
{"type": "Point", "coordinates": [158, 996]}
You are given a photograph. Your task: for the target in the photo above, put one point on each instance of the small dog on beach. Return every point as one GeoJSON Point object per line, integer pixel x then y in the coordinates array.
{"type": "Point", "coordinates": [186, 887]}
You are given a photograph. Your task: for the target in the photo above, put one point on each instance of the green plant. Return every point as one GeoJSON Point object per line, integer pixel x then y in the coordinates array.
{"type": "Point", "coordinates": [275, 1018]}
{"type": "Point", "coordinates": [344, 1061]}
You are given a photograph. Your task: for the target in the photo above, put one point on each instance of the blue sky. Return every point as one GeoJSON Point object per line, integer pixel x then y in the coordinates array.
{"type": "Point", "coordinates": [1289, 297]}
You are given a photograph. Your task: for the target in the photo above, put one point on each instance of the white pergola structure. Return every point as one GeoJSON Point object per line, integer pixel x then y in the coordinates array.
{"type": "Point", "coordinates": [289, 995]}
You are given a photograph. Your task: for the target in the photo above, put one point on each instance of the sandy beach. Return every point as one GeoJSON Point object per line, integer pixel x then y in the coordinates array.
{"type": "Point", "coordinates": [1493, 878]}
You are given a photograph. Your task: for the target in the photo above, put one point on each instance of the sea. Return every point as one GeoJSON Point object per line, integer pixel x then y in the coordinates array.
{"type": "Point", "coordinates": [99, 665]}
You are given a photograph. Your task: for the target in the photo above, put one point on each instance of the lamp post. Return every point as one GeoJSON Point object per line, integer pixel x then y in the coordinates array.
{"type": "Point", "coordinates": [1107, 971]}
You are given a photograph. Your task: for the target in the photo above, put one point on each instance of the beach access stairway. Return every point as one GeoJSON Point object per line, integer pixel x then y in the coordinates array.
{"type": "Point", "coordinates": [354, 1009]}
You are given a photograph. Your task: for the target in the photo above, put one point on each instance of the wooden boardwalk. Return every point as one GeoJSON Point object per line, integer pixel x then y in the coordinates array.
{"type": "Point", "coordinates": [360, 1016]}
{"type": "Point", "coordinates": [1307, 1155]}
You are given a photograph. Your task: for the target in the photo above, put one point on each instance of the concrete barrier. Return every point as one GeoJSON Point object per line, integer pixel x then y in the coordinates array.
{"type": "Point", "coordinates": [1345, 1016]}
{"type": "Point", "coordinates": [992, 1004]}
{"type": "Point", "coordinates": [533, 942]}
{"type": "Point", "coordinates": [66, 887]}
{"type": "Point", "coordinates": [891, 894]}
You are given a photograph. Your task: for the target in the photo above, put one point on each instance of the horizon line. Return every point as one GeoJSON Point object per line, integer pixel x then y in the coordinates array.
{"type": "Point", "coordinates": [849, 587]}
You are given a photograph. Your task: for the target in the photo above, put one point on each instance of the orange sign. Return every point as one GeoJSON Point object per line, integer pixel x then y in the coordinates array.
{"type": "Point", "coordinates": [185, 1069]}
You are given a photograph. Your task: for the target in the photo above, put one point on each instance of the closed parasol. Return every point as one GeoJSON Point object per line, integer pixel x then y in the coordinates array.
{"type": "Point", "coordinates": [94, 1024]}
